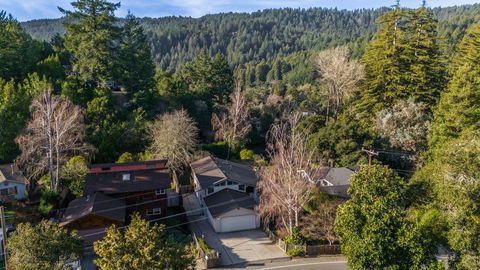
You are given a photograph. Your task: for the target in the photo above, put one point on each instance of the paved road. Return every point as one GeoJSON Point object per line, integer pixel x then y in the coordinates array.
{"type": "Point", "coordinates": [321, 263]}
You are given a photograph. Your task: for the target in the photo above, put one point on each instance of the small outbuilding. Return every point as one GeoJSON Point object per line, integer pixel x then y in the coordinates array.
{"type": "Point", "coordinates": [12, 183]}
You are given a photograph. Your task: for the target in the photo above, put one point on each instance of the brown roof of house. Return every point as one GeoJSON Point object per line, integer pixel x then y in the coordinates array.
{"type": "Point", "coordinates": [227, 200]}
{"type": "Point", "coordinates": [9, 172]}
{"type": "Point", "coordinates": [97, 204]}
{"type": "Point", "coordinates": [140, 181]}
{"type": "Point", "coordinates": [209, 170]}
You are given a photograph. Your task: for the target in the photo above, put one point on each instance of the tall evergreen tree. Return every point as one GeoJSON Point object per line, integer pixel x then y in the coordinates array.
{"type": "Point", "coordinates": [92, 37]}
{"type": "Point", "coordinates": [384, 65]}
{"type": "Point", "coordinates": [403, 60]}
{"type": "Point", "coordinates": [19, 54]}
{"type": "Point", "coordinates": [137, 67]}
{"type": "Point", "coordinates": [458, 109]}
{"type": "Point", "coordinates": [211, 79]}
{"type": "Point", "coordinates": [15, 100]}
{"type": "Point", "coordinates": [426, 66]}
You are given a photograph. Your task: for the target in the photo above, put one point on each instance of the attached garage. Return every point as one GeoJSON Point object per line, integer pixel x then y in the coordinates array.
{"type": "Point", "coordinates": [238, 223]}
{"type": "Point", "coordinates": [230, 211]}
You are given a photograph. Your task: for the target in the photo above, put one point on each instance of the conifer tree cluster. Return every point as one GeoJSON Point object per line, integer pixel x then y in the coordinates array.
{"type": "Point", "coordinates": [403, 60]}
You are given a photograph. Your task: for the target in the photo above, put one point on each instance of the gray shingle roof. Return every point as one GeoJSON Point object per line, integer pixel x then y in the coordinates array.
{"type": "Point", "coordinates": [97, 204]}
{"type": "Point", "coordinates": [227, 200]}
{"type": "Point", "coordinates": [8, 172]}
{"type": "Point", "coordinates": [339, 176]}
{"type": "Point", "coordinates": [211, 169]}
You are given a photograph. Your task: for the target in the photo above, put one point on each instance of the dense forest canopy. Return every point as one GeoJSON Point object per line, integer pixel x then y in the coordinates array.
{"type": "Point", "coordinates": [268, 34]}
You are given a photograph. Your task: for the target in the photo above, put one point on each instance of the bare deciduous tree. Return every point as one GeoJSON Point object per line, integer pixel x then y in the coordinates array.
{"type": "Point", "coordinates": [55, 132]}
{"type": "Point", "coordinates": [320, 224]}
{"type": "Point", "coordinates": [234, 126]}
{"type": "Point", "coordinates": [340, 76]}
{"type": "Point", "coordinates": [173, 137]}
{"type": "Point", "coordinates": [283, 187]}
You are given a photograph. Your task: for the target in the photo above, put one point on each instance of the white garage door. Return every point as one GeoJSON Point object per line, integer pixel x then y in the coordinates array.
{"type": "Point", "coordinates": [238, 223]}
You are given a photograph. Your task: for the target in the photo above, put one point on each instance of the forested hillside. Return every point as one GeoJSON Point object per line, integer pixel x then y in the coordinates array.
{"type": "Point", "coordinates": [268, 34]}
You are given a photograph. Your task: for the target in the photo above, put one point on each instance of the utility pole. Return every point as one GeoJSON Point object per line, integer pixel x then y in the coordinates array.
{"type": "Point", "coordinates": [370, 154]}
{"type": "Point", "coordinates": [4, 234]}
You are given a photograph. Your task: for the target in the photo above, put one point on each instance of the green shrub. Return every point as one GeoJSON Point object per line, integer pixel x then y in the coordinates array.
{"type": "Point", "coordinates": [48, 200]}
{"type": "Point", "coordinates": [246, 154]}
{"type": "Point", "coordinates": [204, 245]}
{"type": "Point", "coordinates": [219, 149]}
{"type": "Point", "coordinates": [295, 252]}
{"type": "Point", "coordinates": [45, 181]}
{"type": "Point", "coordinates": [295, 238]}
{"type": "Point", "coordinates": [125, 157]}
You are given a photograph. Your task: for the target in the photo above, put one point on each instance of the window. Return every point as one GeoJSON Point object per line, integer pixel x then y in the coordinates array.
{"type": "Point", "coordinates": [209, 190]}
{"type": "Point", "coordinates": [159, 192]}
{"type": "Point", "coordinates": [4, 191]}
{"type": "Point", "coordinates": [241, 187]}
{"type": "Point", "coordinates": [154, 211]}
{"type": "Point", "coordinates": [126, 177]}
{"type": "Point", "coordinates": [105, 168]}
{"type": "Point", "coordinates": [223, 183]}
{"type": "Point", "coordinates": [12, 191]}
{"type": "Point", "coordinates": [231, 183]}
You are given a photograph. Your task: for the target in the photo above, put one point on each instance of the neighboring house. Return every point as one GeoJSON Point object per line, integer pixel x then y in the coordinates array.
{"type": "Point", "coordinates": [114, 191]}
{"type": "Point", "coordinates": [335, 181]}
{"type": "Point", "coordinates": [94, 213]}
{"type": "Point", "coordinates": [12, 183]}
{"type": "Point", "coordinates": [228, 192]}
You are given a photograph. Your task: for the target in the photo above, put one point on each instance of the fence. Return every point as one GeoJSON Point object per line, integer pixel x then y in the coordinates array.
{"type": "Point", "coordinates": [309, 250]}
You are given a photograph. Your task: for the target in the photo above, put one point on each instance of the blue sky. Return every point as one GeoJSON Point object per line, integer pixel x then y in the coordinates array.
{"type": "Point", "coordinates": [36, 9]}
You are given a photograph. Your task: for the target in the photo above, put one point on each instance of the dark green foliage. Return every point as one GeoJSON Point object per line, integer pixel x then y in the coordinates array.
{"type": "Point", "coordinates": [208, 79]}
{"type": "Point", "coordinates": [137, 69]}
{"type": "Point", "coordinates": [219, 149]}
{"type": "Point", "coordinates": [91, 36]}
{"type": "Point", "coordinates": [453, 174]}
{"type": "Point", "coordinates": [374, 228]}
{"type": "Point", "coordinates": [403, 60]}
{"type": "Point", "coordinates": [19, 54]}
{"type": "Point", "coordinates": [44, 246]}
{"type": "Point", "coordinates": [15, 100]}
{"type": "Point", "coordinates": [264, 35]}
{"type": "Point", "coordinates": [341, 142]}
{"type": "Point", "coordinates": [48, 200]}
{"type": "Point", "coordinates": [458, 109]}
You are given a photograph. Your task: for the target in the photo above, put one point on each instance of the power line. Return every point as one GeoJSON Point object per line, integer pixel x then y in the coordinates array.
{"type": "Point", "coordinates": [174, 215]}
{"type": "Point", "coordinates": [105, 201]}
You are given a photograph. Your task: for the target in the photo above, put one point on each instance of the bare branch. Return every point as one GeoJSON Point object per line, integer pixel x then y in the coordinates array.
{"type": "Point", "coordinates": [234, 126]}
{"type": "Point", "coordinates": [173, 136]}
{"type": "Point", "coordinates": [340, 75]}
{"type": "Point", "coordinates": [284, 191]}
{"type": "Point", "coordinates": [55, 133]}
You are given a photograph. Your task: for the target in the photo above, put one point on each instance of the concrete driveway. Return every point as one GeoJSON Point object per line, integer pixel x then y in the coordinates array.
{"type": "Point", "coordinates": [239, 248]}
